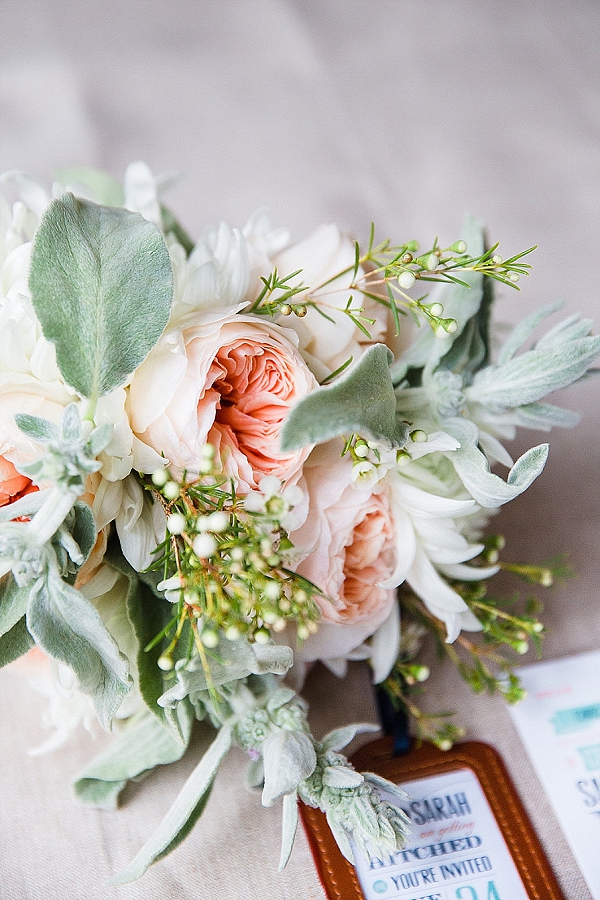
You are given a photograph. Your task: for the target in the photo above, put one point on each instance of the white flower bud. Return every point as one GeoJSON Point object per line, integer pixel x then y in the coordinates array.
{"type": "Point", "coordinates": [269, 485]}
{"type": "Point", "coordinates": [262, 636]}
{"type": "Point", "coordinates": [209, 638]}
{"type": "Point", "coordinates": [436, 309]}
{"type": "Point", "coordinates": [364, 474]}
{"type": "Point", "coordinates": [293, 495]}
{"type": "Point", "coordinates": [272, 590]}
{"type": "Point", "coordinates": [171, 490]}
{"type": "Point", "coordinates": [160, 477]}
{"type": "Point", "coordinates": [204, 546]}
{"type": "Point", "coordinates": [176, 523]}
{"type": "Point", "coordinates": [406, 280]}
{"type": "Point", "coordinates": [218, 522]}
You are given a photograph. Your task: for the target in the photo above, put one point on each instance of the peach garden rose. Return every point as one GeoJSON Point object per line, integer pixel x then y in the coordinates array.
{"type": "Point", "coordinates": [348, 546]}
{"type": "Point", "coordinates": [229, 379]}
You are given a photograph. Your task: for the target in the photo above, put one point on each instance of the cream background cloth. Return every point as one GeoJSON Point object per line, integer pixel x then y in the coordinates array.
{"type": "Point", "coordinates": [408, 113]}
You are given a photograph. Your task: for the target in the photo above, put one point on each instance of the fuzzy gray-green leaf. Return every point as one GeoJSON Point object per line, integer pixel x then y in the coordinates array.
{"type": "Point", "coordinates": [289, 758]}
{"type": "Point", "coordinates": [143, 744]}
{"type": "Point", "coordinates": [101, 285]}
{"type": "Point", "coordinates": [529, 377]}
{"type": "Point", "coordinates": [40, 430]}
{"type": "Point", "coordinates": [15, 643]}
{"type": "Point", "coordinates": [184, 811]}
{"type": "Point", "coordinates": [473, 468]}
{"type": "Point", "coordinates": [361, 400]}
{"type": "Point", "coordinates": [13, 603]}
{"type": "Point", "coordinates": [232, 660]}
{"type": "Point", "coordinates": [289, 824]}
{"type": "Point", "coordinates": [67, 627]}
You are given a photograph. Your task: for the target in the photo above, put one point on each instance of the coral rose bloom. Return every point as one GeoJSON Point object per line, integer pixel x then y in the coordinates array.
{"type": "Point", "coordinates": [348, 539]}
{"type": "Point", "coordinates": [13, 485]}
{"type": "Point", "coordinates": [230, 382]}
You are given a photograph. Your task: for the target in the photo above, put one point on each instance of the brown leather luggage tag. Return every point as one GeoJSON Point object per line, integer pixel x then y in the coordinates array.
{"type": "Point", "coordinates": [470, 838]}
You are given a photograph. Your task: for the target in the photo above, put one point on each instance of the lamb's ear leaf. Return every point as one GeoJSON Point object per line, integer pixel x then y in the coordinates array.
{"type": "Point", "coordinates": [184, 812]}
{"type": "Point", "coordinates": [289, 825]}
{"type": "Point", "coordinates": [67, 627]}
{"type": "Point", "coordinates": [361, 401]}
{"type": "Point", "coordinates": [142, 745]}
{"type": "Point", "coordinates": [101, 285]}
{"type": "Point", "coordinates": [15, 643]}
{"type": "Point", "coordinates": [13, 603]}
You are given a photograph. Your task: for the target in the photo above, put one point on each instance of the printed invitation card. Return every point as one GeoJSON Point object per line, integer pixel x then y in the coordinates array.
{"type": "Point", "coordinates": [559, 724]}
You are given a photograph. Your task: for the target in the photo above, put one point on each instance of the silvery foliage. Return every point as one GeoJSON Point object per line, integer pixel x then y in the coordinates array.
{"type": "Point", "coordinates": [479, 404]}
{"type": "Point", "coordinates": [101, 285]}
{"type": "Point", "coordinates": [43, 554]}
{"type": "Point", "coordinates": [268, 721]}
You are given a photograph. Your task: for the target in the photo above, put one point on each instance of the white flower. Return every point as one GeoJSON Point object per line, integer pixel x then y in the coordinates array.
{"type": "Point", "coordinates": [431, 544]}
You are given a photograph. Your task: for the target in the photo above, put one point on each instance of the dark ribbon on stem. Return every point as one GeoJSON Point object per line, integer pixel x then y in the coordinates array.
{"type": "Point", "coordinates": [393, 721]}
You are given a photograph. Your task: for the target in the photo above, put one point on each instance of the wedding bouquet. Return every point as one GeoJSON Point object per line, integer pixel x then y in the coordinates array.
{"type": "Point", "coordinates": [223, 461]}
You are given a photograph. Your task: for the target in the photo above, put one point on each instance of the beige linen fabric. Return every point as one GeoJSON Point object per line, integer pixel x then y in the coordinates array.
{"type": "Point", "coordinates": [408, 113]}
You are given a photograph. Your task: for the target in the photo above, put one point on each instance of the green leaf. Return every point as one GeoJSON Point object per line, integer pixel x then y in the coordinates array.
{"type": "Point", "coordinates": [13, 603]}
{"type": "Point", "coordinates": [82, 527]}
{"type": "Point", "coordinates": [289, 758]}
{"type": "Point", "coordinates": [102, 187]}
{"type": "Point", "coordinates": [340, 737]}
{"type": "Point", "coordinates": [545, 416]}
{"type": "Point", "coordinates": [362, 400]}
{"type": "Point", "coordinates": [473, 468]}
{"type": "Point", "coordinates": [142, 745]}
{"type": "Point", "coordinates": [67, 627]}
{"type": "Point", "coordinates": [101, 285]}
{"type": "Point", "coordinates": [40, 430]}
{"type": "Point", "coordinates": [461, 302]}
{"type": "Point", "coordinates": [289, 824]}
{"type": "Point", "coordinates": [341, 777]}
{"type": "Point", "coordinates": [15, 643]}
{"type": "Point", "coordinates": [527, 378]}
{"type": "Point", "coordinates": [184, 812]}
{"type": "Point", "coordinates": [148, 616]}
{"type": "Point", "coordinates": [230, 661]}
{"type": "Point", "coordinates": [522, 331]}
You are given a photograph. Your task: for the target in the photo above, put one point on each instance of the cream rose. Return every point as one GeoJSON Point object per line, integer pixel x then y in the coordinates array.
{"type": "Point", "coordinates": [348, 546]}
{"type": "Point", "coordinates": [230, 381]}
{"type": "Point", "coordinates": [327, 343]}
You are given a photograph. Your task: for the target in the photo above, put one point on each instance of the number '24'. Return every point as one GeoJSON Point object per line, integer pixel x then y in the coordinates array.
{"type": "Point", "coordinates": [492, 893]}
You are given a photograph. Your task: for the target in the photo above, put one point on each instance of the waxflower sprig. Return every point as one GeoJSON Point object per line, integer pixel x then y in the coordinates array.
{"type": "Point", "coordinates": [386, 273]}
{"type": "Point", "coordinates": [483, 664]}
{"type": "Point", "coordinates": [226, 560]}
